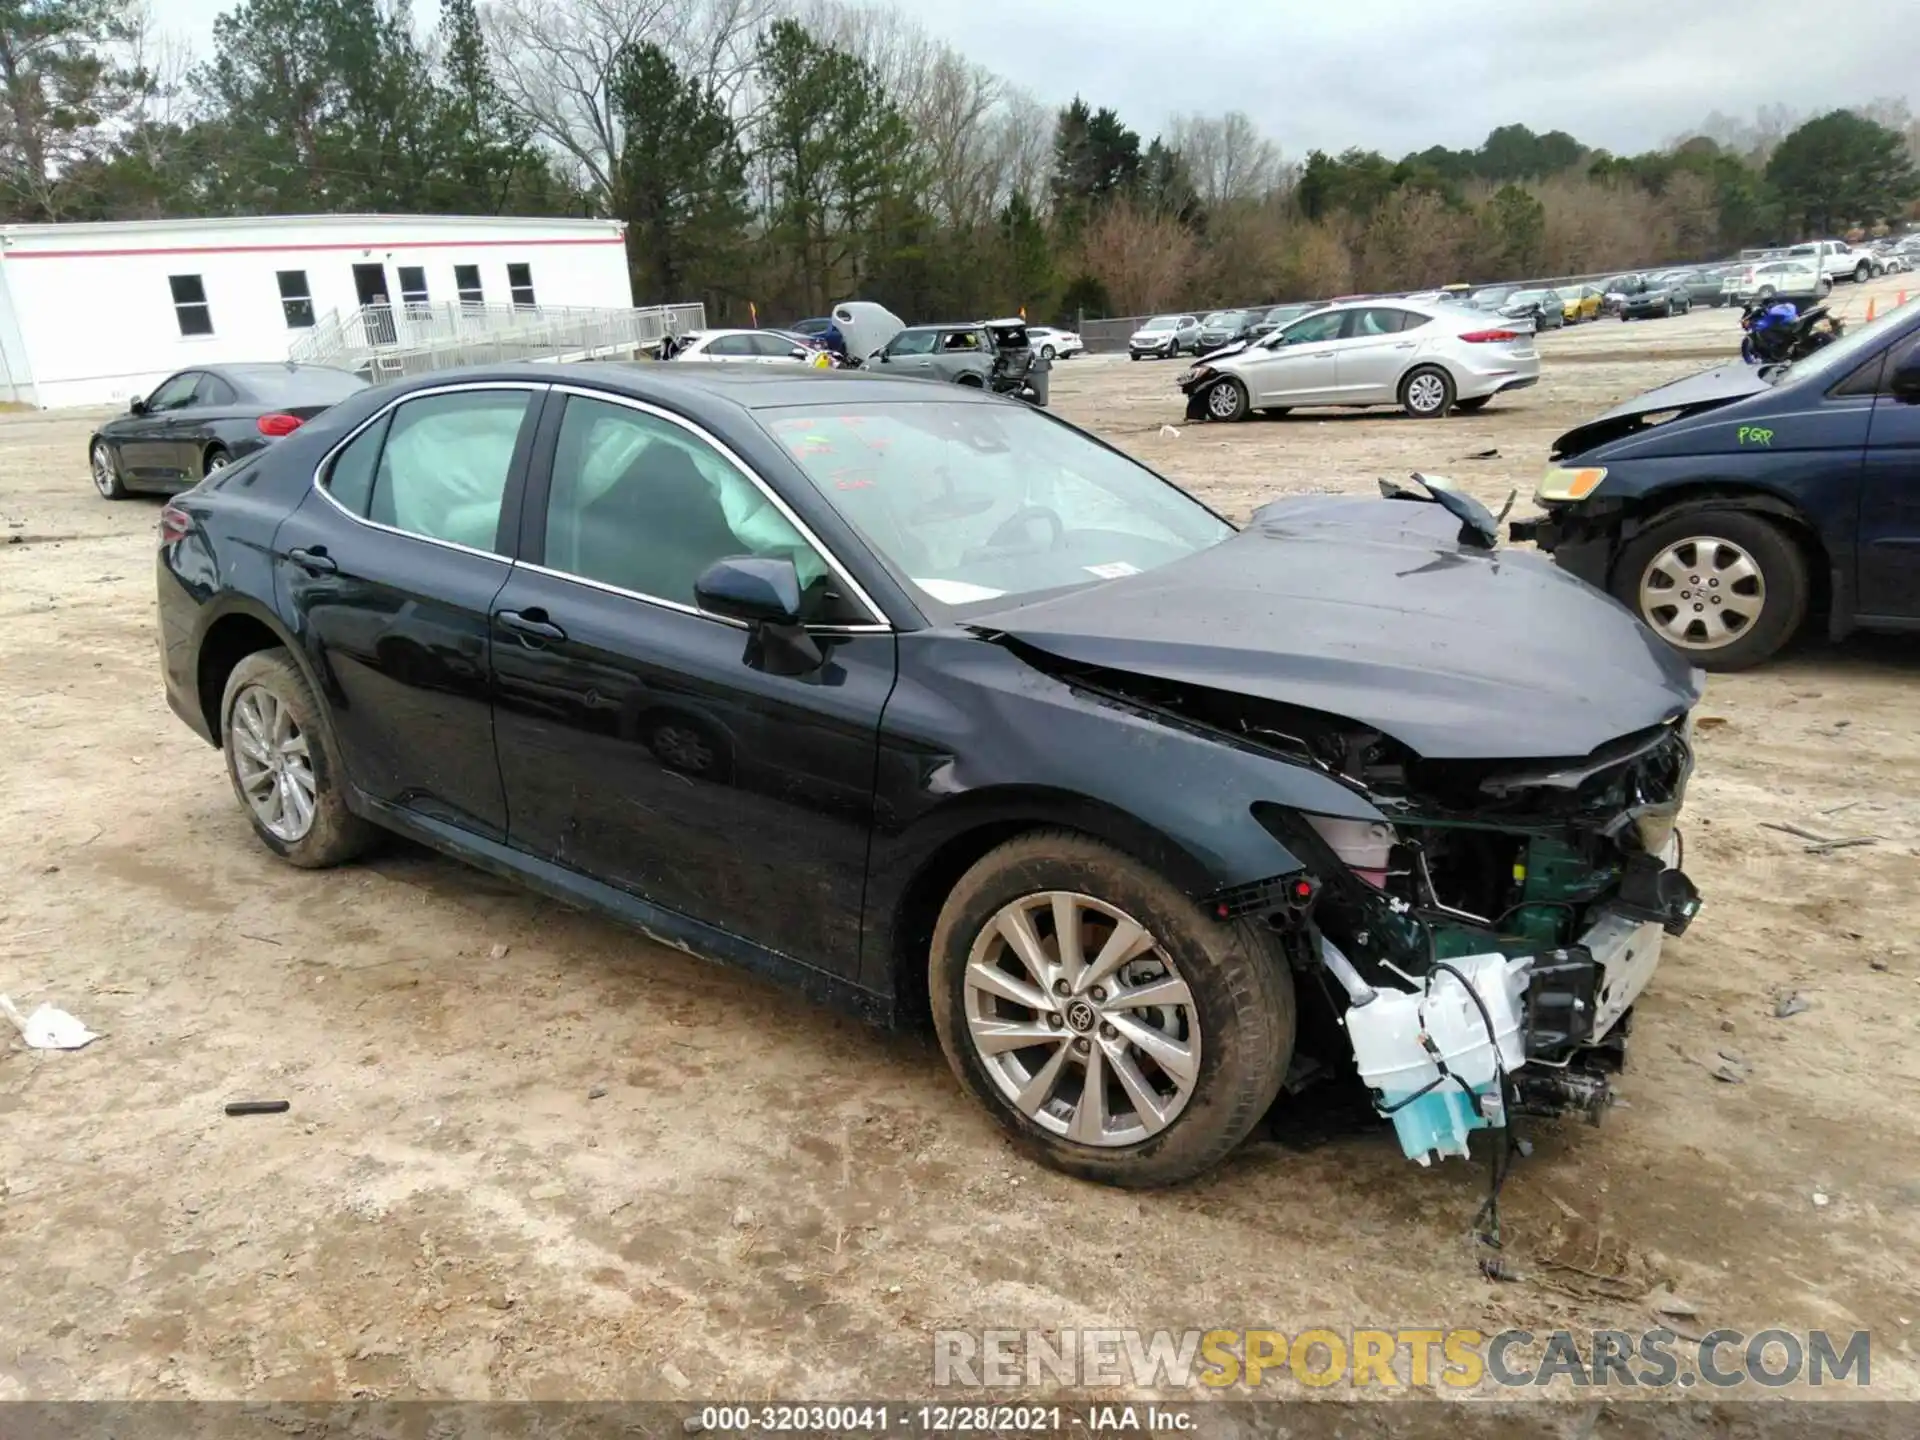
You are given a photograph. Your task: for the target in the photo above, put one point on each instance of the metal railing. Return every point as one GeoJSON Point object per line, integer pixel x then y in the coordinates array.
{"type": "Point", "coordinates": [387, 342]}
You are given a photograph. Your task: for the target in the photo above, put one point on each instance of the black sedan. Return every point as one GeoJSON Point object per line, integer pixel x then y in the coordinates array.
{"type": "Point", "coordinates": [1656, 296]}
{"type": "Point", "coordinates": [199, 420]}
{"type": "Point", "coordinates": [1223, 327]}
{"type": "Point", "coordinates": [920, 699]}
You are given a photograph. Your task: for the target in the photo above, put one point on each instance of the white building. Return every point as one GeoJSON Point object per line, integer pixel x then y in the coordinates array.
{"type": "Point", "coordinates": [94, 314]}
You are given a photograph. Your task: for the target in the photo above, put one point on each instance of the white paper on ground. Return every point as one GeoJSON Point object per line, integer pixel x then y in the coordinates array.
{"type": "Point", "coordinates": [47, 1028]}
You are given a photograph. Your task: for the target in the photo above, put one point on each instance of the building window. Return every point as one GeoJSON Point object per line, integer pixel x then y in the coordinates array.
{"type": "Point", "coordinates": [190, 305]}
{"type": "Point", "coordinates": [520, 282]}
{"type": "Point", "coordinates": [466, 279]}
{"type": "Point", "coordinates": [413, 287]}
{"type": "Point", "coordinates": [296, 301]}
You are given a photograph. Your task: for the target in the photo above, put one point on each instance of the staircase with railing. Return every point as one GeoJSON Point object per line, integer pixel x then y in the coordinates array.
{"type": "Point", "coordinates": [387, 342]}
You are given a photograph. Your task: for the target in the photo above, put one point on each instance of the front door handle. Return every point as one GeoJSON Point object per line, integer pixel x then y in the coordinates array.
{"type": "Point", "coordinates": [314, 559]}
{"type": "Point", "coordinates": [1406, 345]}
{"type": "Point", "coordinates": [532, 626]}
{"type": "Point", "coordinates": [1321, 355]}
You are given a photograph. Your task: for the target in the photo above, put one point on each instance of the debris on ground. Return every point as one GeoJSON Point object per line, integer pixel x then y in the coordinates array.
{"type": "Point", "coordinates": [48, 1028]}
{"type": "Point", "coordinates": [598, 1092]}
{"type": "Point", "coordinates": [1483, 455]}
{"type": "Point", "coordinates": [1663, 1301]}
{"type": "Point", "coordinates": [1819, 1199]}
{"type": "Point", "coordinates": [259, 1107]}
{"type": "Point", "coordinates": [499, 952]}
{"type": "Point", "coordinates": [1167, 432]}
{"type": "Point", "coordinates": [1790, 1005]}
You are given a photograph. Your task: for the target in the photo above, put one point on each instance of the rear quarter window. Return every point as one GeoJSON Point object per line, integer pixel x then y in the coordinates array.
{"type": "Point", "coordinates": [349, 479]}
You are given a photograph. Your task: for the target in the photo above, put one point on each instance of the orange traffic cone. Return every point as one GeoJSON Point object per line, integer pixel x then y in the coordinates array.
{"type": "Point", "coordinates": [1869, 307]}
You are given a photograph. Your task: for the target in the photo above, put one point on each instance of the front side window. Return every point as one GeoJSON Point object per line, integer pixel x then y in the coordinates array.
{"type": "Point", "coordinates": [443, 468]}
{"type": "Point", "coordinates": [773, 347]}
{"type": "Point", "coordinates": [643, 504]}
{"type": "Point", "coordinates": [520, 283]}
{"type": "Point", "coordinates": [174, 392]}
{"type": "Point", "coordinates": [1313, 329]}
{"type": "Point", "coordinates": [731, 347]}
{"type": "Point", "coordinates": [912, 342]}
{"type": "Point", "coordinates": [466, 279]}
{"type": "Point", "coordinates": [296, 300]}
{"type": "Point", "coordinates": [190, 308]}
{"type": "Point", "coordinates": [968, 503]}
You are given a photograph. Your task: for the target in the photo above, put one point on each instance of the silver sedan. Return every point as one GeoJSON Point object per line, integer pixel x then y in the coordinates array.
{"type": "Point", "coordinates": [1429, 358]}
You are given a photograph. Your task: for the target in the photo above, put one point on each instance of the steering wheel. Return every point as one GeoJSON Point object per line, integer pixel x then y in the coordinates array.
{"type": "Point", "coordinates": [1013, 530]}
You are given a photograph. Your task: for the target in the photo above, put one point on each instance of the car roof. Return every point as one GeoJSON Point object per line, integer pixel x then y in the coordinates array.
{"type": "Point", "coordinates": [697, 388]}
{"type": "Point", "coordinates": [246, 369]}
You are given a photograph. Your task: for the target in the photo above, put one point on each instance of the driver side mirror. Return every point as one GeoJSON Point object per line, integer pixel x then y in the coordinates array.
{"type": "Point", "coordinates": [764, 594]}
{"type": "Point", "coordinates": [1904, 383]}
{"type": "Point", "coordinates": [798, 352]}
{"type": "Point", "coordinates": [138, 406]}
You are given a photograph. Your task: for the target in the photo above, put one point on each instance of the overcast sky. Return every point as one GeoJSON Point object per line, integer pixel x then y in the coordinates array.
{"type": "Point", "coordinates": [1395, 75]}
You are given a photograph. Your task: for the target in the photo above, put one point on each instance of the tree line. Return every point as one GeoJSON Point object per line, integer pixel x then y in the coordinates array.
{"type": "Point", "coordinates": [769, 156]}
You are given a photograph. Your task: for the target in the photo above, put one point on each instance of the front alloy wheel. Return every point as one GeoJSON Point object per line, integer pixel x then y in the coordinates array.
{"type": "Point", "coordinates": [1115, 1030]}
{"type": "Point", "coordinates": [106, 474]}
{"type": "Point", "coordinates": [1724, 587]}
{"type": "Point", "coordinates": [1226, 400]}
{"type": "Point", "coordinates": [1082, 1019]}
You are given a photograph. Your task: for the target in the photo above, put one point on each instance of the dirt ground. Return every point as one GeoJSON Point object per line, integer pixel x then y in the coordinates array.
{"type": "Point", "coordinates": [769, 1200]}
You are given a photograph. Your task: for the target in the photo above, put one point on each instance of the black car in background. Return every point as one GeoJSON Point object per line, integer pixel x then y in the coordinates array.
{"type": "Point", "coordinates": [1545, 308]}
{"type": "Point", "coordinates": [920, 699]}
{"type": "Point", "coordinates": [199, 420]}
{"type": "Point", "coordinates": [1224, 327]}
{"type": "Point", "coordinates": [1649, 296]}
{"type": "Point", "coordinates": [1279, 315]}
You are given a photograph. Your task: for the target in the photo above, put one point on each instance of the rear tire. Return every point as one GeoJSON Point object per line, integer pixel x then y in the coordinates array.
{"type": "Point", "coordinates": [1427, 393]}
{"type": "Point", "coordinates": [264, 686]}
{"type": "Point", "coordinates": [1680, 573]}
{"type": "Point", "coordinates": [1228, 995]}
{"type": "Point", "coordinates": [216, 458]}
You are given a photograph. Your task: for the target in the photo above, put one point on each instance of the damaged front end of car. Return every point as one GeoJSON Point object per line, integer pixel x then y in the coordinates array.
{"type": "Point", "coordinates": [1483, 942]}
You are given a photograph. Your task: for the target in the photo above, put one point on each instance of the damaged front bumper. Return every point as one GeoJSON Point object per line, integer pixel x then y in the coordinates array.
{"type": "Point", "coordinates": [1539, 1033]}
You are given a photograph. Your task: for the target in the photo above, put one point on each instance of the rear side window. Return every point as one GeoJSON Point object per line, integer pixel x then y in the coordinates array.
{"type": "Point", "coordinates": [350, 481]}
{"type": "Point", "coordinates": [212, 390]}
{"type": "Point", "coordinates": [444, 466]}
{"type": "Point", "coordinates": [732, 347]}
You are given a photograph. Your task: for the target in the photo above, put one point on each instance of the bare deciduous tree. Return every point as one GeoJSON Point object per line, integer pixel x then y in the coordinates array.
{"type": "Point", "coordinates": [557, 57]}
{"type": "Point", "coordinates": [1229, 158]}
{"type": "Point", "coordinates": [1145, 261]}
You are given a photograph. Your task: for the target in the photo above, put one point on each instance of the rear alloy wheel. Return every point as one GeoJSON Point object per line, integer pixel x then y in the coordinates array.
{"type": "Point", "coordinates": [217, 459]}
{"type": "Point", "coordinates": [1046, 352]}
{"type": "Point", "coordinates": [1725, 588]}
{"type": "Point", "coordinates": [106, 472]}
{"type": "Point", "coordinates": [284, 768]}
{"type": "Point", "coordinates": [1112, 1029]}
{"type": "Point", "coordinates": [1427, 394]}
{"type": "Point", "coordinates": [1226, 400]}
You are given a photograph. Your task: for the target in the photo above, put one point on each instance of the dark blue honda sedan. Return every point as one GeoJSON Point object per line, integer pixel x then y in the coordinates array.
{"type": "Point", "coordinates": [1727, 507]}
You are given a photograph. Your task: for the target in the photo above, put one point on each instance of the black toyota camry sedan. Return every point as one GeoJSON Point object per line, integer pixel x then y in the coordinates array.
{"type": "Point", "coordinates": [921, 699]}
{"type": "Point", "coordinates": [199, 420]}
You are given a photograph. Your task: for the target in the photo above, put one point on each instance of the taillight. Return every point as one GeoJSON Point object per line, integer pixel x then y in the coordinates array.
{"type": "Point", "coordinates": [175, 524]}
{"type": "Point", "coordinates": [1481, 337]}
{"type": "Point", "coordinates": [277, 425]}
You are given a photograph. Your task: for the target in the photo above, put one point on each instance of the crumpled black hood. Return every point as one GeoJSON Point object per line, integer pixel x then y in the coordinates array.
{"type": "Point", "coordinates": [1371, 610]}
{"type": "Point", "coordinates": [1706, 391]}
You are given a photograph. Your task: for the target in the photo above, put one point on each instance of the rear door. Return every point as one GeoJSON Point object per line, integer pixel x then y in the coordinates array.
{"type": "Point", "coordinates": [388, 571]}
{"type": "Point", "coordinates": [1296, 365]}
{"type": "Point", "coordinates": [1890, 499]}
{"type": "Point", "coordinates": [1374, 350]}
{"type": "Point", "coordinates": [191, 429]}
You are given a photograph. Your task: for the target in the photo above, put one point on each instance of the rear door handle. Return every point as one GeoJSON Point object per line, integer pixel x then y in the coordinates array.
{"type": "Point", "coordinates": [1321, 355]}
{"type": "Point", "coordinates": [314, 559]}
{"type": "Point", "coordinates": [1406, 345]}
{"type": "Point", "coordinates": [531, 625]}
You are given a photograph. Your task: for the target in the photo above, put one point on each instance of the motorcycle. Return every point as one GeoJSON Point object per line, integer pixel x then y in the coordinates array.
{"type": "Point", "coordinates": [1779, 332]}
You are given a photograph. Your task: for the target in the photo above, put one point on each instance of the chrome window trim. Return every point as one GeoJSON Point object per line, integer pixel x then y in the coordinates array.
{"type": "Point", "coordinates": [531, 387]}
{"type": "Point", "coordinates": [854, 589]}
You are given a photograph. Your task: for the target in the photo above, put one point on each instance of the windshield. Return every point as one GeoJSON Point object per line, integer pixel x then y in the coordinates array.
{"type": "Point", "coordinates": [1526, 297]}
{"type": "Point", "coordinates": [1852, 347]}
{"type": "Point", "coordinates": [1162, 322]}
{"type": "Point", "coordinates": [967, 502]}
{"type": "Point", "coordinates": [1496, 295]}
{"type": "Point", "coordinates": [1280, 314]}
{"type": "Point", "coordinates": [1221, 318]}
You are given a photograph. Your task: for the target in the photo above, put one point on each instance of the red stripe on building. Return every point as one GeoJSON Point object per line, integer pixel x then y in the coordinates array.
{"type": "Point", "coordinates": [266, 249]}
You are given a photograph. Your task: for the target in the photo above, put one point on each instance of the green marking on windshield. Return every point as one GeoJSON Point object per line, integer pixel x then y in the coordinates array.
{"type": "Point", "coordinates": [1754, 435]}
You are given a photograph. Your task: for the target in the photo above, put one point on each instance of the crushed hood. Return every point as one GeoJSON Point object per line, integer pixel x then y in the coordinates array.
{"type": "Point", "coordinates": [1373, 611]}
{"type": "Point", "coordinates": [1706, 391]}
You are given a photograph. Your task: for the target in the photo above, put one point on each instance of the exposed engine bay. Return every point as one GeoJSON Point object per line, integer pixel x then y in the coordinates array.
{"type": "Point", "coordinates": [1483, 942]}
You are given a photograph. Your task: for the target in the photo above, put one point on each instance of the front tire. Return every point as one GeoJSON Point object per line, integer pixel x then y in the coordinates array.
{"type": "Point", "coordinates": [1724, 587]}
{"type": "Point", "coordinates": [1862, 273]}
{"type": "Point", "coordinates": [1427, 393]}
{"type": "Point", "coordinates": [284, 766]}
{"type": "Point", "coordinates": [1227, 400]}
{"type": "Point", "coordinates": [1185, 1024]}
{"type": "Point", "coordinates": [106, 472]}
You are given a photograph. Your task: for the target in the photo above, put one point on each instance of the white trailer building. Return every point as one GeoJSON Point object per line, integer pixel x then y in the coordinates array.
{"type": "Point", "coordinates": [97, 313]}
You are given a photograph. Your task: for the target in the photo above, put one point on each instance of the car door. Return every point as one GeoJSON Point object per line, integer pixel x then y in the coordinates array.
{"type": "Point", "coordinates": [146, 453]}
{"type": "Point", "coordinates": [1373, 351]}
{"type": "Point", "coordinates": [387, 574]}
{"type": "Point", "coordinates": [770, 349]}
{"type": "Point", "coordinates": [193, 427]}
{"type": "Point", "coordinates": [910, 353]}
{"type": "Point", "coordinates": [640, 741]}
{"type": "Point", "coordinates": [1889, 551]}
{"type": "Point", "coordinates": [1295, 365]}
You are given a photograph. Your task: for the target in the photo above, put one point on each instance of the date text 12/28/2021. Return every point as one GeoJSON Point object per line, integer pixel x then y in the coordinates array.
{"type": "Point", "coordinates": [880, 1419]}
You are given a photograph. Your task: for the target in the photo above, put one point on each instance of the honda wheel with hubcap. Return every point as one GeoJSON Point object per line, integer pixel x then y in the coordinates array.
{"type": "Point", "coordinates": [1725, 588]}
